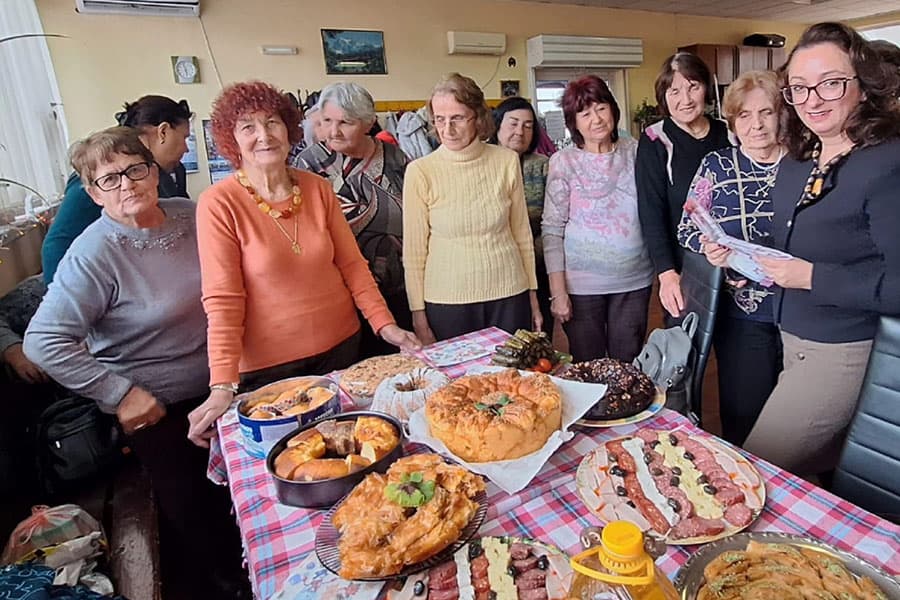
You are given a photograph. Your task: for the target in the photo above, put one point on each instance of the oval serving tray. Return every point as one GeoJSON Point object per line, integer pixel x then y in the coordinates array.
{"type": "Point", "coordinates": [690, 577]}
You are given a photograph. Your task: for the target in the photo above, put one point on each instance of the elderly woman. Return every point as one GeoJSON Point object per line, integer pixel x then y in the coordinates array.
{"type": "Point", "coordinates": [467, 244]}
{"type": "Point", "coordinates": [836, 212]}
{"type": "Point", "coordinates": [367, 176]}
{"type": "Point", "coordinates": [600, 272]}
{"type": "Point", "coordinates": [282, 274]}
{"type": "Point", "coordinates": [123, 324]}
{"type": "Point", "coordinates": [668, 155]}
{"type": "Point", "coordinates": [164, 126]}
{"type": "Point", "coordinates": [735, 185]}
{"type": "Point", "coordinates": [518, 129]}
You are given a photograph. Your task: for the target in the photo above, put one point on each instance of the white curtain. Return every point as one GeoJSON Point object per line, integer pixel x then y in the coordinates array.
{"type": "Point", "coordinates": [33, 135]}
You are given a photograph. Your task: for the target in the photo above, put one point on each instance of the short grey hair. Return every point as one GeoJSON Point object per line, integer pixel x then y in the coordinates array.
{"type": "Point", "coordinates": [309, 130]}
{"type": "Point", "coordinates": [352, 98]}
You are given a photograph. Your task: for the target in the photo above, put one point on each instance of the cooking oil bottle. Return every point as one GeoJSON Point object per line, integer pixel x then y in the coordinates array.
{"type": "Point", "coordinates": [619, 569]}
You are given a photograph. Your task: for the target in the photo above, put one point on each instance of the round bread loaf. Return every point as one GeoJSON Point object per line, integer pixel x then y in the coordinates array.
{"type": "Point", "coordinates": [495, 416]}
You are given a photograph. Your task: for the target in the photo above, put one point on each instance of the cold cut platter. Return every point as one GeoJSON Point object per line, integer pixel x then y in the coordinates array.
{"type": "Point", "coordinates": [681, 487]}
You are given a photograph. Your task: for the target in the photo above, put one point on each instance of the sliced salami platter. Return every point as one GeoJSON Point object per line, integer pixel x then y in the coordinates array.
{"type": "Point", "coordinates": [680, 487]}
{"type": "Point", "coordinates": [499, 568]}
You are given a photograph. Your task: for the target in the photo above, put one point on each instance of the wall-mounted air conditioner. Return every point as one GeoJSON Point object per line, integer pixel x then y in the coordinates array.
{"type": "Point", "coordinates": [156, 8]}
{"type": "Point", "coordinates": [584, 51]}
{"type": "Point", "coordinates": [470, 42]}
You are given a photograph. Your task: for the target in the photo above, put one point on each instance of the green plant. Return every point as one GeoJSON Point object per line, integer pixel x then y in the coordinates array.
{"type": "Point", "coordinates": [646, 114]}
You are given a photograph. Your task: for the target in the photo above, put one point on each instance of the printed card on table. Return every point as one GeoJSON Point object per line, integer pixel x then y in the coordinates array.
{"type": "Point", "coordinates": [454, 353]}
{"type": "Point", "coordinates": [312, 581]}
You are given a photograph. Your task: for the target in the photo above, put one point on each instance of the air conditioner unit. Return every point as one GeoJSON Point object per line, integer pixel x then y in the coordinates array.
{"type": "Point", "coordinates": [156, 8]}
{"type": "Point", "coordinates": [470, 42]}
{"type": "Point", "coordinates": [584, 51]}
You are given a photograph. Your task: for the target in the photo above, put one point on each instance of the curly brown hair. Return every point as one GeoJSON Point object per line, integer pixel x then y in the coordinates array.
{"type": "Point", "coordinates": [240, 99]}
{"type": "Point", "coordinates": [875, 119]}
{"type": "Point", "coordinates": [465, 91]}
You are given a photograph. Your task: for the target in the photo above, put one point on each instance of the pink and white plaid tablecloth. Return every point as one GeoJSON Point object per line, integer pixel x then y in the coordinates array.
{"type": "Point", "coordinates": [278, 538]}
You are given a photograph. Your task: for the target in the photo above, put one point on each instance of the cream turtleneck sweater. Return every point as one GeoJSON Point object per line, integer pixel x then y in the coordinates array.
{"type": "Point", "coordinates": [466, 236]}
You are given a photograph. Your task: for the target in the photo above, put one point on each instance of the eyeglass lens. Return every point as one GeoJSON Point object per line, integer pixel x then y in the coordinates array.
{"type": "Point", "coordinates": [112, 181]}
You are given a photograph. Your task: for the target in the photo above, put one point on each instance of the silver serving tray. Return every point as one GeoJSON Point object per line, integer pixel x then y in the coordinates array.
{"type": "Point", "coordinates": [690, 577]}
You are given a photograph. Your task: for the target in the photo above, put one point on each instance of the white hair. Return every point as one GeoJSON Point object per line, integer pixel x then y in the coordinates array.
{"type": "Point", "coordinates": [352, 98]}
{"type": "Point", "coordinates": [309, 130]}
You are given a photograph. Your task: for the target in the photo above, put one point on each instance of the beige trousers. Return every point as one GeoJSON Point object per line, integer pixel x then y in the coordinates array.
{"type": "Point", "coordinates": [804, 422]}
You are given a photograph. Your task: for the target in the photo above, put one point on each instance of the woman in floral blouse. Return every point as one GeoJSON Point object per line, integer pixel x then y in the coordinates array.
{"type": "Point", "coordinates": [734, 184]}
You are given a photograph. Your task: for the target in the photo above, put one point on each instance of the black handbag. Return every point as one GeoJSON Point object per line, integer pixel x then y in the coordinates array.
{"type": "Point", "coordinates": [75, 441]}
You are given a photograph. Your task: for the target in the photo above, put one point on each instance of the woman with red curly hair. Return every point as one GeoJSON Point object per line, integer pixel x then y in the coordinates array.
{"type": "Point", "coordinates": [282, 274]}
{"type": "Point", "coordinates": [599, 267]}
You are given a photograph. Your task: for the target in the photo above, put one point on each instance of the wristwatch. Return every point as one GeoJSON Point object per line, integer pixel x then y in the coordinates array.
{"type": "Point", "coordinates": [228, 387]}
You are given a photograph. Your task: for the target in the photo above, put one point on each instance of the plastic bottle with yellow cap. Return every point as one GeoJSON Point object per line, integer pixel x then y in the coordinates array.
{"type": "Point", "coordinates": [619, 569]}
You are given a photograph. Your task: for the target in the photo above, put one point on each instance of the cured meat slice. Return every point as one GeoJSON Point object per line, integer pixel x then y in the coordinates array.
{"type": "Point", "coordinates": [443, 594]}
{"type": "Point", "coordinates": [738, 515]}
{"type": "Point", "coordinates": [648, 435]}
{"type": "Point", "coordinates": [536, 594]}
{"type": "Point", "coordinates": [697, 526]}
{"type": "Point", "coordinates": [531, 580]}
{"type": "Point", "coordinates": [442, 573]}
{"type": "Point", "coordinates": [525, 564]}
{"type": "Point", "coordinates": [729, 496]}
{"type": "Point", "coordinates": [519, 551]}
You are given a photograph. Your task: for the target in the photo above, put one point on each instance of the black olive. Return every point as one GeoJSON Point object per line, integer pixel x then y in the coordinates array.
{"type": "Point", "coordinates": [492, 595]}
{"type": "Point", "coordinates": [512, 571]}
{"type": "Point", "coordinates": [676, 506]}
{"type": "Point", "coordinates": [703, 479]}
{"type": "Point", "coordinates": [419, 588]}
{"type": "Point", "coordinates": [621, 491]}
{"type": "Point", "coordinates": [475, 550]}
{"type": "Point", "coordinates": [612, 457]}
{"type": "Point", "coordinates": [648, 458]}
{"type": "Point", "coordinates": [676, 470]}
{"type": "Point", "coordinates": [631, 504]}
{"type": "Point", "coordinates": [688, 455]}
{"type": "Point", "coordinates": [710, 489]}
{"type": "Point", "coordinates": [674, 482]}
{"type": "Point", "coordinates": [617, 471]}
{"type": "Point", "coordinates": [656, 471]}
{"type": "Point", "coordinates": [543, 563]}
{"type": "Point", "coordinates": [673, 439]}
{"type": "Point", "coordinates": [654, 444]}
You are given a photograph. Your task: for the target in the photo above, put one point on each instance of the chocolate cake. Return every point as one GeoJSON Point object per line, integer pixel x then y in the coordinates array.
{"type": "Point", "coordinates": [629, 390]}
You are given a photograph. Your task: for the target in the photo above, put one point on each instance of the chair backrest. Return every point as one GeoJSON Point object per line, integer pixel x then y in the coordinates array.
{"type": "Point", "coordinates": [701, 284]}
{"type": "Point", "coordinates": [868, 473]}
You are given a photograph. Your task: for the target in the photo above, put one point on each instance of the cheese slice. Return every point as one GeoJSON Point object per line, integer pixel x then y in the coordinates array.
{"type": "Point", "coordinates": [464, 574]}
{"type": "Point", "coordinates": [705, 505]}
{"type": "Point", "coordinates": [501, 581]}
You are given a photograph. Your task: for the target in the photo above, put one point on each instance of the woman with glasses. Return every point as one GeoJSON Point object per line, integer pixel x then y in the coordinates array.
{"type": "Point", "coordinates": [837, 212]}
{"type": "Point", "coordinates": [468, 251]}
{"type": "Point", "coordinates": [668, 155]}
{"type": "Point", "coordinates": [164, 126]}
{"type": "Point", "coordinates": [367, 176]}
{"type": "Point", "coordinates": [123, 324]}
{"type": "Point", "coordinates": [600, 272]}
{"type": "Point", "coordinates": [735, 185]}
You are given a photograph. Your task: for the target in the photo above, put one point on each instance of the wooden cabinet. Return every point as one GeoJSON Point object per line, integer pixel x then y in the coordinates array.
{"type": "Point", "coordinates": [727, 62]}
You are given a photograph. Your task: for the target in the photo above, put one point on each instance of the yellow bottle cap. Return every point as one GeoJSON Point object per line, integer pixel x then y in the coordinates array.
{"type": "Point", "coordinates": [623, 540]}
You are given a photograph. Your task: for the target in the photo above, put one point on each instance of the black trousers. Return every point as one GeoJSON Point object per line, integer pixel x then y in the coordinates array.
{"type": "Point", "coordinates": [371, 344]}
{"type": "Point", "coordinates": [608, 325]}
{"type": "Point", "coordinates": [195, 514]}
{"type": "Point", "coordinates": [749, 357]}
{"type": "Point", "coordinates": [340, 357]}
{"type": "Point", "coordinates": [451, 320]}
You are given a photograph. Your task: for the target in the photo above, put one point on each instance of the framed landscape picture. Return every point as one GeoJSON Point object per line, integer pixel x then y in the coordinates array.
{"type": "Point", "coordinates": [354, 52]}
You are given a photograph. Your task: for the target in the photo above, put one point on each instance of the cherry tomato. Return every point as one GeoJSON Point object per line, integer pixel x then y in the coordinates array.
{"type": "Point", "coordinates": [544, 365]}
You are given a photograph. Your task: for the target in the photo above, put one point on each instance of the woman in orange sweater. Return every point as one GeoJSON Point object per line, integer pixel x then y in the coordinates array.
{"type": "Point", "coordinates": [282, 274]}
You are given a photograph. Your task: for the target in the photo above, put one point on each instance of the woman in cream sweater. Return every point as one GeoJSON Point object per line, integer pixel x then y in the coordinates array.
{"type": "Point", "coordinates": [468, 252]}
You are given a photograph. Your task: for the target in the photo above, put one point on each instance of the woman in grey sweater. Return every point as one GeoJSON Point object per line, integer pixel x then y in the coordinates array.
{"type": "Point", "coordinates": [122, 324]}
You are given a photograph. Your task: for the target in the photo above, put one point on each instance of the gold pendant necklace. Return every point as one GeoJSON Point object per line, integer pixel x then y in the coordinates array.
{"type": "Point", "coordinates": [295, 243]}
{"type": "Point", "coordinates": [289, 212]}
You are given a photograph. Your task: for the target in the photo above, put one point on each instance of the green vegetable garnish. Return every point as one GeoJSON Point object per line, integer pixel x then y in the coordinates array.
{"type": "Point", "coordinates": [496, 407]}
{"type": "Point", "coordinates": [412, 492]}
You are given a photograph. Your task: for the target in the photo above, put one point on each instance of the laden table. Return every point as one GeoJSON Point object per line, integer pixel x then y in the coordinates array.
{"type": "Point", "coordinates": [278, 538]}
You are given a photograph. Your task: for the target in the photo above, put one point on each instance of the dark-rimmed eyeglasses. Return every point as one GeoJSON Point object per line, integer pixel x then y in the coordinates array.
{"type": "Point", "coordinates": [112, 181]}
{"type": "Point", "coordinates": [829, 89]}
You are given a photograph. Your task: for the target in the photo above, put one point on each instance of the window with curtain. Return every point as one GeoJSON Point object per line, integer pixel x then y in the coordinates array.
{"type": "Point", "coordinates": [33, 135]}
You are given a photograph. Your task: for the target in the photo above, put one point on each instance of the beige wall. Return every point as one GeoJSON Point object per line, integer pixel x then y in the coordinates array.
{"type": "Point", "coordinates": [109, 59]}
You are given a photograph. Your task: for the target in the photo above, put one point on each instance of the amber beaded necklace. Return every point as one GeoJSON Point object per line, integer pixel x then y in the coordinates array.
{"type": "Point", "coordinates": [276, 214]}
{"type": "Point", "coordinates": [814, 184]}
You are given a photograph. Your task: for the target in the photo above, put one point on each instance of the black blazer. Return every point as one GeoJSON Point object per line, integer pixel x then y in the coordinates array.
{"type": "Point", "coordinates": [852, 237]}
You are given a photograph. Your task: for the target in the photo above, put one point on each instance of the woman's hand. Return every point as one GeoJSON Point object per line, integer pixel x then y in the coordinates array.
{"type": "Point", "coordinates": [670, 292]}
{"type": "Point", "coordinates": [537, 319]}
{"type": "Point", "coordinates": [716, 254]}
{"type": "Point", "coordinates": [422, 328]}
{"type": "Point", "coordinates": [403, 339]}
{"type": "Point", "coordinates": [793, 273]}
{"type": "Point", "coordinates": [24, 368]}
{"type": "Point", "coordinates": [139, 409]}
{"type": "Point", "coordinates": [561, 307]}
{"type": "Point", "coordinates": [203, 418]}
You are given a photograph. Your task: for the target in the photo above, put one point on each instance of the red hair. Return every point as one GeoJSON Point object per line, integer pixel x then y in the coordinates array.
{"type": "Point", "coordinates": [580, 94]}
{"type": "Point", "coordinates": [240, 99]}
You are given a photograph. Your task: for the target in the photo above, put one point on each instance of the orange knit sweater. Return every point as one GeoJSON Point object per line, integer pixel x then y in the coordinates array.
{"type": "Point", "coordinates": [266, 305]}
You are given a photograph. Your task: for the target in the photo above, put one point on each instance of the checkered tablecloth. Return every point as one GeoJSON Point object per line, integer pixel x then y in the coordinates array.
{"type": "Point", "coordinates": [278, 538]}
